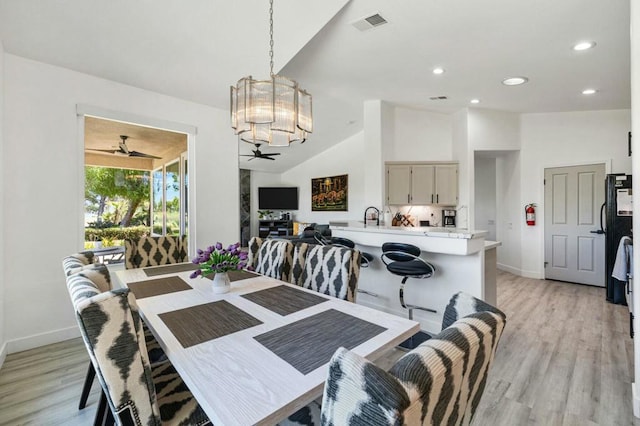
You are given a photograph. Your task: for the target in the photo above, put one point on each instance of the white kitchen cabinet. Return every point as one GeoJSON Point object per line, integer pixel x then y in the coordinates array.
{"type": "Point", "coordinates": [422, 184]}
{"type": "Point", "coordinates": [398, 184]}
{"type": "Point", "coordinates": [446, 184]}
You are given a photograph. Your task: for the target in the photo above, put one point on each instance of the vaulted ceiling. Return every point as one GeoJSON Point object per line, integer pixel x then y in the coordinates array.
{"type": "Point", "coordinates": [195, 50]}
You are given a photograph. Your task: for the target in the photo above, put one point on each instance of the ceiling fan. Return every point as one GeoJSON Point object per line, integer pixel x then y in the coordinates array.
{"type": "Point", "coordinates": [258, 154]}
{"type": "Point", "coordinates": [123, 150]}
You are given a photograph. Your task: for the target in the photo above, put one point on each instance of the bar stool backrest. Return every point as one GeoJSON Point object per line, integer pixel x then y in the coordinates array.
{"type": "Point", "coordinates": [395, 251]}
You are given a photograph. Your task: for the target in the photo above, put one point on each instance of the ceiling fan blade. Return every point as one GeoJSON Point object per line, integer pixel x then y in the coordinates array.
{"type": "Point", "coordinates": [252, 158]}
{"type": "Point", "coordinates": [108, 151]}
{"type": "Point", "coordinates": [247, 155]}
{"type": "Point", "coordinates": [142, 154]}
{"type": "Point", "coordinates": [267, 155]}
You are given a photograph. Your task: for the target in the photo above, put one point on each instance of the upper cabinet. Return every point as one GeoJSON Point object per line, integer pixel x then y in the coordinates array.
{"type": "Point", "coordinates": [422, 184]}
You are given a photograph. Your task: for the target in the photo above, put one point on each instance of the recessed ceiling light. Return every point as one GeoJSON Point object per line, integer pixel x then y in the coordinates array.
{"type": "Point", "coordinates": [438, 71]}
{"type": "Point", "coordinates": [584, 45]}
{"type": "Point", "coordinates": [514, 81]}
{"type": "Point", "coordinates": [589, 91]}
{"type": "Point", "coordinates": [475, 101]}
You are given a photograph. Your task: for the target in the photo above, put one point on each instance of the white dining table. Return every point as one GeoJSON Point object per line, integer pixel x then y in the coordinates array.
{"type": "Point", "coordinates": [235, 378]}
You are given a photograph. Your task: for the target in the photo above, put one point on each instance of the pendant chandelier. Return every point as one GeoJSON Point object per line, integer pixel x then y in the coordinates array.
{"type": "Point", "coordinates": [274, 111]}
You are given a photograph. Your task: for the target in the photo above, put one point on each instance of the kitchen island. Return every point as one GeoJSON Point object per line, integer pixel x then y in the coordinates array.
{"type": "Point", "coordinates": [463, 260]}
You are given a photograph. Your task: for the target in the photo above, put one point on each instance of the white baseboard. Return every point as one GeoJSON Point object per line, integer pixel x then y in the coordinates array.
{"type": "Point", "coordinates": [635, 401]}
{"type": "Point", "coordinates": [42, 339]}
{"type": "Point", "coordinates": [508, 268]}
{"type": "Point", "coordinates": [520, 272]}
{"type": "Point", "coordinates": [532, 274]}
{"type": "Point", "coordinates": [3, 353]}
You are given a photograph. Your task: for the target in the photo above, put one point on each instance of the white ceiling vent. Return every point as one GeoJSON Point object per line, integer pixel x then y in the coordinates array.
{"type": "Point", "coordinates": [369, 22]}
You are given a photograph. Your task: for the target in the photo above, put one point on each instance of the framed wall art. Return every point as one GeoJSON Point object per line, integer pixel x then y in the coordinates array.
{"type": "Point", "coordinates": [330, 194]}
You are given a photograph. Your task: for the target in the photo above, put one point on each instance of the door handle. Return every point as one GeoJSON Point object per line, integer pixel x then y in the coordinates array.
{"type": "Point", "coordinates": [599, 231]}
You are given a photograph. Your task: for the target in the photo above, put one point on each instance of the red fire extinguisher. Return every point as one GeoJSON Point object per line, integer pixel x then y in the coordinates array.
{"type": "Point", "coordinates": [530, 212]}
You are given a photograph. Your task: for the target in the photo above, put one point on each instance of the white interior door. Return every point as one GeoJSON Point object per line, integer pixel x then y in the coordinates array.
{"type": "Point", "coordinates": [572, 199]}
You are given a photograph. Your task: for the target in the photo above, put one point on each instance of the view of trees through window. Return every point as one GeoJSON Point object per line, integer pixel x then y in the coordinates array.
{"type": "Point", "coordinates": [166, 218]}
{"type": "Point", "coordinates": [117, 205]}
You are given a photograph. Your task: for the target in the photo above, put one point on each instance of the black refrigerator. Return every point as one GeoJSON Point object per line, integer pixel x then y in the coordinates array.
{"type": "Point", "coordinates": [616, 222]}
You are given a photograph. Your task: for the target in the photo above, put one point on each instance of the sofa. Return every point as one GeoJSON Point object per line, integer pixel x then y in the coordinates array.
{"type": "Point", "coordinates": [306, 235]}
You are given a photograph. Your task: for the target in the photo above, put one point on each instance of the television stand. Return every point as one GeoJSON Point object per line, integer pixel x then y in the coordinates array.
{"type": "Point", "coordinates": [275, 228]}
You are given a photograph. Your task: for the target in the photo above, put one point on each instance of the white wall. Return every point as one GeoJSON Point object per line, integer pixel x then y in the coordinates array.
{"type": "Point", "coordinates": [564, 139]}
{"type": "Point", "coordinates": [493, 130]}
{"type": "Point", "coordinates": [377, 131]}
{"type": "Point", "coordinates": [508, 211]}
{"type": "Point", "coordinates": [43, 188]}
{"type": "Point", "coordinates": [635, 106]}
{"type": "Point", "coordinates": [461, 154]}
{"type": "Point", "coordinates": [342, 158]}
{"type": "Point", "coordinates": [3, 346]}
{"type": "Point", "coordinates": [420, 136]}
{"type": "Point", "coordinates": [485, 195]}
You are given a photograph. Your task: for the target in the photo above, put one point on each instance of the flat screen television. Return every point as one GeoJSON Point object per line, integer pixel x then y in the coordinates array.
{"type": "Point", "coordinates": [278, 198]}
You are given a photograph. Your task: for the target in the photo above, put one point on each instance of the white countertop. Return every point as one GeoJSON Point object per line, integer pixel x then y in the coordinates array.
{"type": "Point", "coordinates": [429, 231]}
{"type": "Point", "coordinates": [488, 245]}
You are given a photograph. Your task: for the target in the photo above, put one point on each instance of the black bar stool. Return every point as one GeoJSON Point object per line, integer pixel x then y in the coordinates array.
{"type": "Point", "coordinates": [366, 258]}
{"type": "Point", "coordinates": [404, 260]}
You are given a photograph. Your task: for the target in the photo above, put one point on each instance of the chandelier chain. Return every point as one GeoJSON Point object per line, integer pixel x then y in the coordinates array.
{"type": "Point", "coordinates": [271, 38]}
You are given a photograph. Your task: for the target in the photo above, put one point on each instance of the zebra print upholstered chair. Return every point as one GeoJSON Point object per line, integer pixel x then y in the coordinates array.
{"type": "Point", "coordinates": [271, 257]}
{"type": "Point", "coordinates": [154, 251]}
{"type": "Point", "coordinates": [76, 262]}
{"type": "Point", "coordinates": [329, 270]}
{"type": "Point", "coordinates": [439, 383]}
{"type": "Point", "coordinates": [79, 269]}
{"type": "Point", "coordinates": [135, 391]}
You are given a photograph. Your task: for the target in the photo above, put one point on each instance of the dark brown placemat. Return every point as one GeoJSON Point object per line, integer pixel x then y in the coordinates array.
{"type": "Point", "coordinates": [200, 323]}
{"type": "Point", "coordinates": [310, 343]}
{"type": "Point", "coordinates": [236, 275]}
{"type": "Point", "coordinates": [152, 271]}
{"type": "Point", "coordinates": [241, 275]}
{"type": "Point", "coordinates": [148, 288]}
{"type": "Point", "coordinates": [284, 300]}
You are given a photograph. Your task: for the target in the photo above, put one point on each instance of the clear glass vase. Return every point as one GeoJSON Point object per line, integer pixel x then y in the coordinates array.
{"type": "Point", "coordinates": [221, 283]}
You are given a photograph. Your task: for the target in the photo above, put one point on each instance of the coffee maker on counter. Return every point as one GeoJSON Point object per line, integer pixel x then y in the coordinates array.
{"type": "Point", "coordinates": [449, 218]}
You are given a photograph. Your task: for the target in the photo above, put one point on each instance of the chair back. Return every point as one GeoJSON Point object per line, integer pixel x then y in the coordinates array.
{"type": "Point", "coordinates": [331, 270]}
{"type": "Point", "coordinates": [440, 382]}
{"type": "Point", "coordinates": [112, 332]}
{"type": "Point", "coordinates": [396, 252]}
{"type": "Point", "coordinates": [271, 257]}
{"type": "Point", "coordinates": [154, 251]}
{"type": "Point", "coordinates": [342, 242]}
{"type": "Point", "coordinates": [76, 262]}
{"type": "Point", "coordinates": [299, 258]}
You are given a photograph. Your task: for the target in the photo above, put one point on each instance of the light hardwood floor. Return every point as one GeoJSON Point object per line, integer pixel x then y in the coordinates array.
{"type": "Point", "coordinates": [565, 358]}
